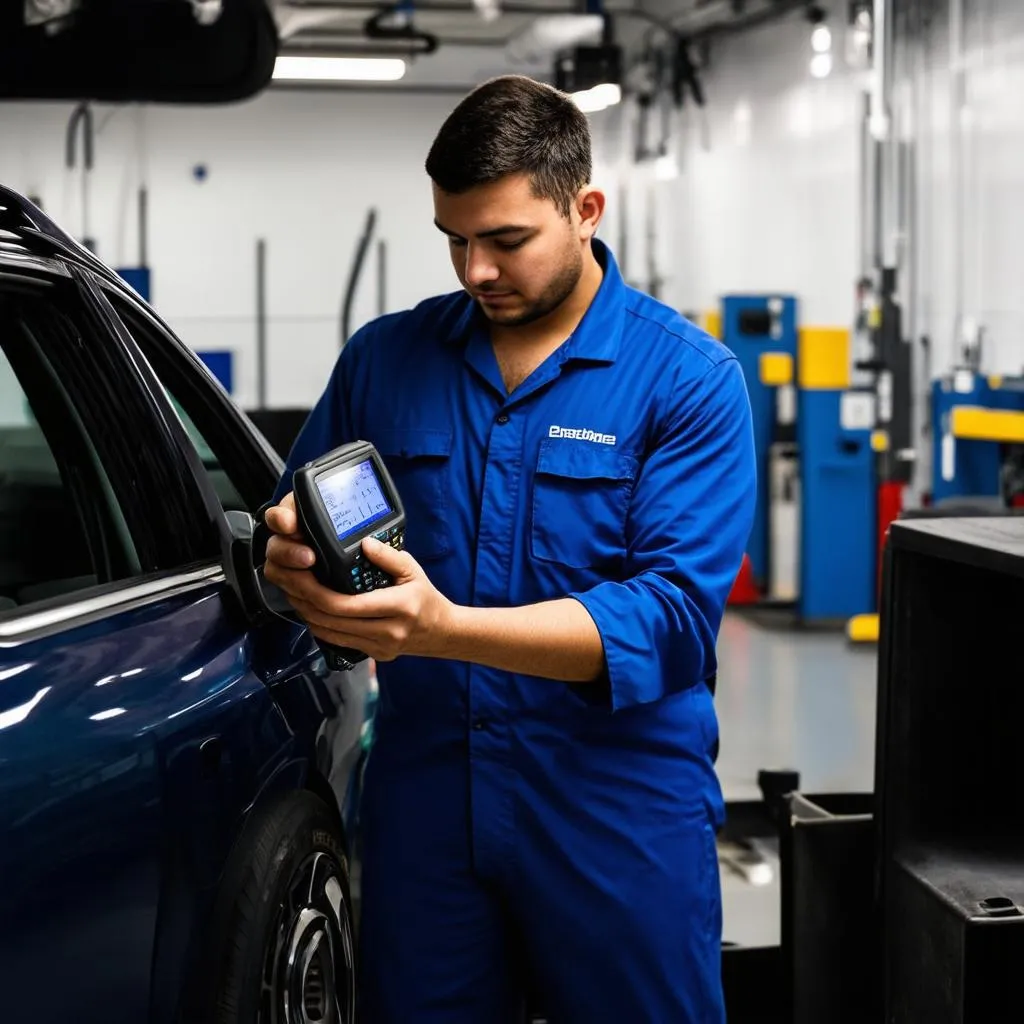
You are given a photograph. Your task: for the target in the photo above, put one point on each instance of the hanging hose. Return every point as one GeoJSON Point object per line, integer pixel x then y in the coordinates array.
{"type": "Point", "coordinates": [82, 113]}
{"type": "Point", "coordinates": [353, 277]}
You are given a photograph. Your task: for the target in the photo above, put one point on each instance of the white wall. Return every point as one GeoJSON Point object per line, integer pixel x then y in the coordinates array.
{"type": "Point", "coordinates": [972, 271]}
{"type": "Point", "coordinates": [766, 198]}
{"type": "Point", "coordinates": [297, 168]}
{"type": "Point", "coordinates": [770, 180]}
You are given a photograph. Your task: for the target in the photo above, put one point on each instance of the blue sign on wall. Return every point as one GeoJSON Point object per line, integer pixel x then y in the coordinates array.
{"type": "Point", "coordinates": [221, 366]}
{"type": "Point", "coordinates": [138, 278]}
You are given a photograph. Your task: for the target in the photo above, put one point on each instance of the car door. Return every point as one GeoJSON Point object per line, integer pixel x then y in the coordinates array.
{"type": "Point", "coordinates": [325, 711]}
{"type": "Point", "coordinates": [104, 638]}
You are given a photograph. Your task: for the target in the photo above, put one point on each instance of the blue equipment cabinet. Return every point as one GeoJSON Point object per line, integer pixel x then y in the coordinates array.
{"type": "Point", "coordinates": [755, 327]}
{"type": "Point", "coordinates": [839, 521]}
{"type": "Point", "coordinates": [838, 481]}
{"type": "Point", "coordinates": [962, 467]}
{"type": "Point", "coordinates": [834, 436]}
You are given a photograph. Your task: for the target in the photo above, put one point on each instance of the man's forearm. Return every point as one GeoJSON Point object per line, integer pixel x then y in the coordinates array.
{"type": "Point", "coordinates": [553, 640]}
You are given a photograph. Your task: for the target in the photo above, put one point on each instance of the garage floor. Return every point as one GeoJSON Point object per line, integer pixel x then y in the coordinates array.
{"type": "Point", "coordinates": [788, 699]}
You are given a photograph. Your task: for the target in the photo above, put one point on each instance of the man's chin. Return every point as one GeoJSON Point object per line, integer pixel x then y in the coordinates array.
{"type": "Point", "coordinates": [505, 317]}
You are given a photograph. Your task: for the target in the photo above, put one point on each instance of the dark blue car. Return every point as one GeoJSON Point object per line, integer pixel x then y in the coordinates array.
{"type": "Point", "coordinates": [178, 767]}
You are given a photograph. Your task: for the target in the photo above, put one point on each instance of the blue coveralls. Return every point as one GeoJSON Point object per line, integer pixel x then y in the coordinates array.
{"type": "Point", "coordinates": [507, 815]}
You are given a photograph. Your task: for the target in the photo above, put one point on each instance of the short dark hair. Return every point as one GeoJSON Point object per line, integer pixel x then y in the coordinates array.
{"type": "Point", "coordinates": [514, 125]}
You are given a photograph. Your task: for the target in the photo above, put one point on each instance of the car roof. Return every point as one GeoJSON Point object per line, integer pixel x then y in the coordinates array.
{"type": "Point", "coordinates": [28, 237]}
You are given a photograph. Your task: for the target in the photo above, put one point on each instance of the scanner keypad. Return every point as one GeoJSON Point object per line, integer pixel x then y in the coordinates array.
{"type": "Point", "coordinates": [364, 574]}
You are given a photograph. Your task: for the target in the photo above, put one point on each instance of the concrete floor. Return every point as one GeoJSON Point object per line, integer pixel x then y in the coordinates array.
{"type": "Point", "coordinates": [796, 700]}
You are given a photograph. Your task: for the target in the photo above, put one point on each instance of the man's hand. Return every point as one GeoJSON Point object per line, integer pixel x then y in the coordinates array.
{"type": "Point", "coordinates": [410, 617]}
{"type": "Point", "coordinates": [554, 640]}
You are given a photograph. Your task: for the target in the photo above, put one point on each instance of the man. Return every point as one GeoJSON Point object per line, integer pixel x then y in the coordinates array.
{"type": "Point", "coordinates": [577, 468]}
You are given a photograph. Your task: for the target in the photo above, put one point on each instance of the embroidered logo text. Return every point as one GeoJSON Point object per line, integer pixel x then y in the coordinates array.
{"type": "Point", "coordinates": [579, 434]}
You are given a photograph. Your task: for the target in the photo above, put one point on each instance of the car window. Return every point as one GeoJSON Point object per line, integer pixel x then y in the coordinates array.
{"type": "Point", "coordinates": [94, 491]}
{"type": "Point", "coordinates": [242, 476]}
{"type": "Point", "coordinates": [61, 530]}
{"type": "Point", "coordinates": [227, 492]}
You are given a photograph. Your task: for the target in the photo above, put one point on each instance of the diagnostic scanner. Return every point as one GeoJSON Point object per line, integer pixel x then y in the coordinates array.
{"type": "Point", "coordinates": [341, 499]}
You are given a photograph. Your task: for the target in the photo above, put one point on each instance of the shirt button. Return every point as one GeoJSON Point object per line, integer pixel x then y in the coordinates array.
{"type": "Point", "coordinates": [479, 723]}
{"type": "Point", "coordinates": [503, 419]}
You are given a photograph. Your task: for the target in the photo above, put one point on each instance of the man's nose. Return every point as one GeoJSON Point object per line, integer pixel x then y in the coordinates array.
{"type": "Point", "coordinates": [480, 268]}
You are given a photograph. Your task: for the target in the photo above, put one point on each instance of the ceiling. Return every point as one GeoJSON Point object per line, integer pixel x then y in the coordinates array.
{"type": "Point", "coordinates": [472, 45]}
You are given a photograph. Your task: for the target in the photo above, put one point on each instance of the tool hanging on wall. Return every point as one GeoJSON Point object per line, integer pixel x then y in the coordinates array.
{"type": "Point", "coordinates": [81, 115]}
{"type": "Point", "coordinates": [356, 270]}
{"type": "Point", "coordinates": [140, 276]}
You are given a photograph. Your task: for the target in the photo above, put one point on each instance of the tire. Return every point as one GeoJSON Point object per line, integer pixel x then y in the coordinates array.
{"type": "Point", "coordinates": [281, 945]}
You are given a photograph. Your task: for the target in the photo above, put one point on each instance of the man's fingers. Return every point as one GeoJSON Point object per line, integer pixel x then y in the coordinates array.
{"type": "Point", "coordinates": [304, 586]}
{"type": "Point", "coordinates": [289, 554]}
{"type": "Point", "coordinates": [397, 564]}
{"type": "Point", "coordinates": [366, 629]}
{"type": "Point", "coordinates": [282, 519]}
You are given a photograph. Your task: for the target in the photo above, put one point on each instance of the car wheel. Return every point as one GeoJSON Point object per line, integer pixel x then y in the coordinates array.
{"type": "Point", "coordinates": [283, 935]}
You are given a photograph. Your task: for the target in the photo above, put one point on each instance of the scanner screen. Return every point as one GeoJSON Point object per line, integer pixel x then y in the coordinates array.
{"type": "Point", "coordinates": [353, 498]}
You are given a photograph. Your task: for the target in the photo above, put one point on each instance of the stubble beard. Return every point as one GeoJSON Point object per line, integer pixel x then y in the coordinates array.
{"type": "Point", "coordinates": [556, 292]}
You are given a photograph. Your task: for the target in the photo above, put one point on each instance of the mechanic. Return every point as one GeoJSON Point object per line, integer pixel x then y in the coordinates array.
{"type": "Point", "coordinates": [576, 462]}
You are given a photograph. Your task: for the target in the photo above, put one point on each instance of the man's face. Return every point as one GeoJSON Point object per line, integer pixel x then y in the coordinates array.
{"type": "Point", "coordinates": [514, 253]}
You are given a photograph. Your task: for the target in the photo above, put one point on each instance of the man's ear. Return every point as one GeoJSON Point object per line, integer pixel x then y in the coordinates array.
{"type": "Point", "coordinates": [590, 209]}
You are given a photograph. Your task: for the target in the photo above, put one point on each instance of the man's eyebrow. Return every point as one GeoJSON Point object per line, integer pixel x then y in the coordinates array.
{"type": "Point", "coordinates": [505, 229]}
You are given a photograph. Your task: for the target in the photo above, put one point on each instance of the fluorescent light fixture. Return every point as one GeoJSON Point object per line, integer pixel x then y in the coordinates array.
{"type": "Point", "coordinates": [339, 69]}
{"type": "Point", "coordinates": [607, 94]}
{"type": "Point", "coordinates": [821, 65]}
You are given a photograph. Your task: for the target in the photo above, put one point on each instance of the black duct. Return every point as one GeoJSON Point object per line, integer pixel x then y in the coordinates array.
{"type": "Point", "coordinates": [138, 50]}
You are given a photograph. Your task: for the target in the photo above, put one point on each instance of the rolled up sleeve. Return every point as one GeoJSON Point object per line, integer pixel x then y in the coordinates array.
{"type": "Point", "coordinates": [688, 526]}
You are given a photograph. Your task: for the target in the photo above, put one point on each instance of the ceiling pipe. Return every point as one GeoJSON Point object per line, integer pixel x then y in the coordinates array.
{"type": "Point", "coordinates": [720, 21]}
{"type": "Point", "coordinates": [431, 8]}
{"type": "Point", "coordinates": [961, 326]}
{"type": "Point", "coordinates": [355, 43]}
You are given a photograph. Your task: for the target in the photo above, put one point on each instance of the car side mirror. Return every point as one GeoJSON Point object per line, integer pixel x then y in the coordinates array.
{"type": "Point", "coordinates": [261, 601]}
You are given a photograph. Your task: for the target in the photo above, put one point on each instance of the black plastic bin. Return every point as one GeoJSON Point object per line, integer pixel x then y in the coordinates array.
{"type": "Point", "coordinates": [950, 771]}
{"type": "Point", "coordinates": [829, 930]}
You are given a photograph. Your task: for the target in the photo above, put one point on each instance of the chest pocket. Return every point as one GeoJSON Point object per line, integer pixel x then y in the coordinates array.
{"type": "Point", "coordinates": [581, 494]}
{"type": "Point", "coordinates": [418, 461]}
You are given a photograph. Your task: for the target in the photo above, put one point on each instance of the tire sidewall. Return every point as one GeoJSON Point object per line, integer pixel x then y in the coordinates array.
{"type": "Point", "coordinates": [275, 845]}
